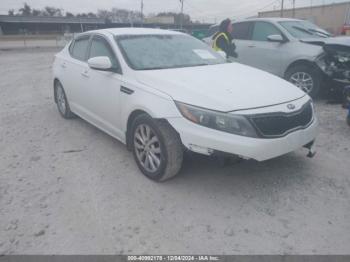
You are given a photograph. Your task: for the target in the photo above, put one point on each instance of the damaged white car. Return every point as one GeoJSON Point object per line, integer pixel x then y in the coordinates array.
{"type": "Point", "coordinates": [163, 92]}
{"type": "Point", "coordinates": [296, 50]}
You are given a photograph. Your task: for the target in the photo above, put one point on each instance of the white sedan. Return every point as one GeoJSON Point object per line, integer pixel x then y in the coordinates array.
{"type": "Point", "coordinates": [163, 92]}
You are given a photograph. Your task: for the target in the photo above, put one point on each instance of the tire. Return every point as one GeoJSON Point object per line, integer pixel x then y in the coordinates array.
{"type": "Point", "coordinates": [164, 148]}
{"type": "Point", "coordinates": [62, 101]}
{"type": "Point", "coordinates": [298, 71]}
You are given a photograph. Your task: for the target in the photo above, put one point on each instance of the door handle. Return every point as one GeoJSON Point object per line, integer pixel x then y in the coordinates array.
{"type": "Point", "coordinates": [85, 74]}
{"type": "Point", "coordinates": [64, 65]}
{"type": "Point", "coordinates": [251, 46]}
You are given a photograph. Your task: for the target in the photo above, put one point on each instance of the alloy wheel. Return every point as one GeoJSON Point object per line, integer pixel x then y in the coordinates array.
{"type": "Point", "coordinates": [303, 80]}
{"type": "Point", "coordinates": [147, 148]}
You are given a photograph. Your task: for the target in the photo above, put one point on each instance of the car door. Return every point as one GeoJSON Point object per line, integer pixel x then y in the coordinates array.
{"type": "Point", "coordinates": [101, 94]}
{"type": "Point", "coordinates": [265, 54]}
{"type": "Point", "coordinates": [72, 68]}
{"type": "Point", "coordinates": [242, 38]}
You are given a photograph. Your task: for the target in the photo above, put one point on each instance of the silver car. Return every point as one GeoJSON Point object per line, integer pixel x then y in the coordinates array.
{"type": "Point", "coordinates": [289, 48]}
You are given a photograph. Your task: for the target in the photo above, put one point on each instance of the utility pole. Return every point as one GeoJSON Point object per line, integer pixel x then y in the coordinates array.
{"type": "Point", "coordinates": [141, 13]}
{"type": "Point", "coordinates": [293, 8]}
{"type": "Point", "coordinates": [282, 8]}
{"type": "Point", "coordinates": [182, 14]}
{"type": "Point", "coordinates": [311, 6]}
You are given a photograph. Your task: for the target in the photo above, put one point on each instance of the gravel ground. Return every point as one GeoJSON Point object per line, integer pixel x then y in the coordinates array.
{"type": "Point", "coordinates": [68, 188]}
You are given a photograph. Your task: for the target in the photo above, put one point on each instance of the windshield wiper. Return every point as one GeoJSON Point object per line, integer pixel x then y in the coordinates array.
{"type": "Point", "coordinates": [172, 67]}
{"type": "Point", "coordinates": [303, 30]}
{"type": "Point", "coordinates": [203, 64]}
{"type": "Point", "coordinates": [319, 32]}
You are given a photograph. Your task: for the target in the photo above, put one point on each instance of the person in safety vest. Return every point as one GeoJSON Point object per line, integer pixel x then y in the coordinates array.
{"type": "Point", "coordinates": [223, 39]}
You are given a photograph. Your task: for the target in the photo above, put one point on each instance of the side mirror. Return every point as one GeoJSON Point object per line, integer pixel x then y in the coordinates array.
{"type": "Point", "coordinates": [276, 38]}
{"type": "Point", "coordinates": [102, 63]}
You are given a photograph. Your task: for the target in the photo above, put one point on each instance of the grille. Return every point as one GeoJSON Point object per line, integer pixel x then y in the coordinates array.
{"type": "Point", "coordinates": [281, 124]}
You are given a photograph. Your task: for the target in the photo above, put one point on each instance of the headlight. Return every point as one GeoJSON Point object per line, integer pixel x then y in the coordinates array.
{"type": "Point", "coordinates": [229, 123]}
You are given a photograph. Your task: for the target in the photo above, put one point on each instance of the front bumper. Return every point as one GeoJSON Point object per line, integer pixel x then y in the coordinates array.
{"type": "Point", "coordinates": [206, 141]}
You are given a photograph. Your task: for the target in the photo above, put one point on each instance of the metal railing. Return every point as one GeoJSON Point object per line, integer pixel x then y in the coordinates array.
{"type": "Point", "coordinates": [34, 41]}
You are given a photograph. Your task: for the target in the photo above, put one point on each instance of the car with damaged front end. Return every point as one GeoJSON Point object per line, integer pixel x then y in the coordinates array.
{"type": "Point", "coordinates": [334, 61]}
{"type": "Point", "coordinates": [163, 92]}
{"type": "Point", "coordinates": [296, 50]}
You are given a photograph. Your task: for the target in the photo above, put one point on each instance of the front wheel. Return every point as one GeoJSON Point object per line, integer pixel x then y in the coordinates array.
{"type": "Point", "coordinates": [306, 78]}
{"type": "Point", "coordinates": [157, 148]}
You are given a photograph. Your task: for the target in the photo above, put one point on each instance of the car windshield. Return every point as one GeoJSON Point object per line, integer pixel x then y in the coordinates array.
{"type": "Point", "coordinates": [304, 29]}
{"type": "Point", "coordinates": [150, 52]}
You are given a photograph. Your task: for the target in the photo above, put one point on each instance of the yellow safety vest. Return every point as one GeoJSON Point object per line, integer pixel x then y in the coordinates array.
{"type": "Point", "coordinates": [215, 46]}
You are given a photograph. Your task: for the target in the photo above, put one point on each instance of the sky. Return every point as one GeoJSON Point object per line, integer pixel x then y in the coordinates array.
{"type": "Point", "coordinates": [202, 10]}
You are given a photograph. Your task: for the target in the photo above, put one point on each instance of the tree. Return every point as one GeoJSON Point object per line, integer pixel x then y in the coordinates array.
{"type": "Point", "coordinates": [11, 12]}
{"type": "Point", "coordinates": [92, 15]}
{"type": "Point", "coordinates": [68, 14]}
{"type": "Point", "coordinates": [83, 15]}
{"type": "Point", "coordinates": [26, 10]}
{"type": "Point", "coordinates": [52, 11]}
{"type": "Point", "coordinates": [36, 12]}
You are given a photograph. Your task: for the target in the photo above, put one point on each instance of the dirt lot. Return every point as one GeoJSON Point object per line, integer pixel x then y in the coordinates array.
{"type": "Point", "coordinates": [67, 188]}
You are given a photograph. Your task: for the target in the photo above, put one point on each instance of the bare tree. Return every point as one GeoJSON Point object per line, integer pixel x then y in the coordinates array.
{"type": "Point", "coordinates": [11, 12]}
{"type": "Point", "coordinates": [36, 12]}
{"type": "Point", "coordinates": [26, 10]}
{"type": "Point", "coordinates": [68, 14]}
{"type": "Point", "coordinates": [52, 11]}
{"type": "Point", "coordinates": [92, 15]}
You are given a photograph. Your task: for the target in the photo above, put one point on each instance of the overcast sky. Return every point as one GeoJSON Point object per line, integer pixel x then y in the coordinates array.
{"type": "Point", "coordinates": [203, 10]}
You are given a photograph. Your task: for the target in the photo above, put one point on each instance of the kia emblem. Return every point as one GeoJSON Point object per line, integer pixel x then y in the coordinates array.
{"type": "Point", "coordinates": [291, 107]}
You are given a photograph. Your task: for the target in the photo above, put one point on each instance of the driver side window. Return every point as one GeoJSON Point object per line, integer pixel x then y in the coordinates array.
{"type": "Point", "coordinates": [262, 30]}
{"type": "Point", "coordinates": [100, 47]}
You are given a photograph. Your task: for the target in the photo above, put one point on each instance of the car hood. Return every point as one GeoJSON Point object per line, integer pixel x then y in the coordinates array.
{"type": "Point", "coordinates": [225, 87]}
{"type": "Point", "coordinates": [342, 41]}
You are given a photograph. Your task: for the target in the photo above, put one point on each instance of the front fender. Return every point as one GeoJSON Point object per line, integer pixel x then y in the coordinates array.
{"type": "Point", "coordinates": [154, 103]}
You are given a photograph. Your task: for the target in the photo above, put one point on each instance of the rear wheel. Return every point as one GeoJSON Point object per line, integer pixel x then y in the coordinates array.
{"type": "Point", "coordinates": [62, 101]}
{"type": "Point", "coordinates": [306, 78]}
{"type": "Point", "coordinates": [157, 148]}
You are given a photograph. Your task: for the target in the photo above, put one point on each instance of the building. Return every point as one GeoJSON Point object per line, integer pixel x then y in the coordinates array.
{"type": "Point", "coordinates": [160, 20]}
{"type": "Point", "coordinates": [331, 17]}
{"type": "Point", "coordinates": [10, 25]}
{"type": "Point", "coordinates": [15, 25]}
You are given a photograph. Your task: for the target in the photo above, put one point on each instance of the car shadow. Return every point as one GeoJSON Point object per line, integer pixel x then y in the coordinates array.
{"type": "Point", "coordinates": [203, 173]}
{"type": "Point", "coordinates": [246, 178]}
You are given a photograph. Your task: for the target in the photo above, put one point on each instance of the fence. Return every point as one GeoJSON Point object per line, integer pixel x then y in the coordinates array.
{"type": "Point", "coordinates": [33, 41]}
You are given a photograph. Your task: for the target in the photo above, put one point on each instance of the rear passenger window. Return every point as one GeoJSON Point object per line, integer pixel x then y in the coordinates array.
{"type": "Point", "coordinates": [242, 30]}
{"type": "Point", "coordinates": [79, 48]}
{"type": "Point", "coordinates": [262, 30]}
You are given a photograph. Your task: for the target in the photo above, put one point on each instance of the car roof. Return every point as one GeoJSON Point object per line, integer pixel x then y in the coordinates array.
{"type": "Point", "coordinates": [270, 19]}
{"type": "Point", "coordinates": [135, 31]}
